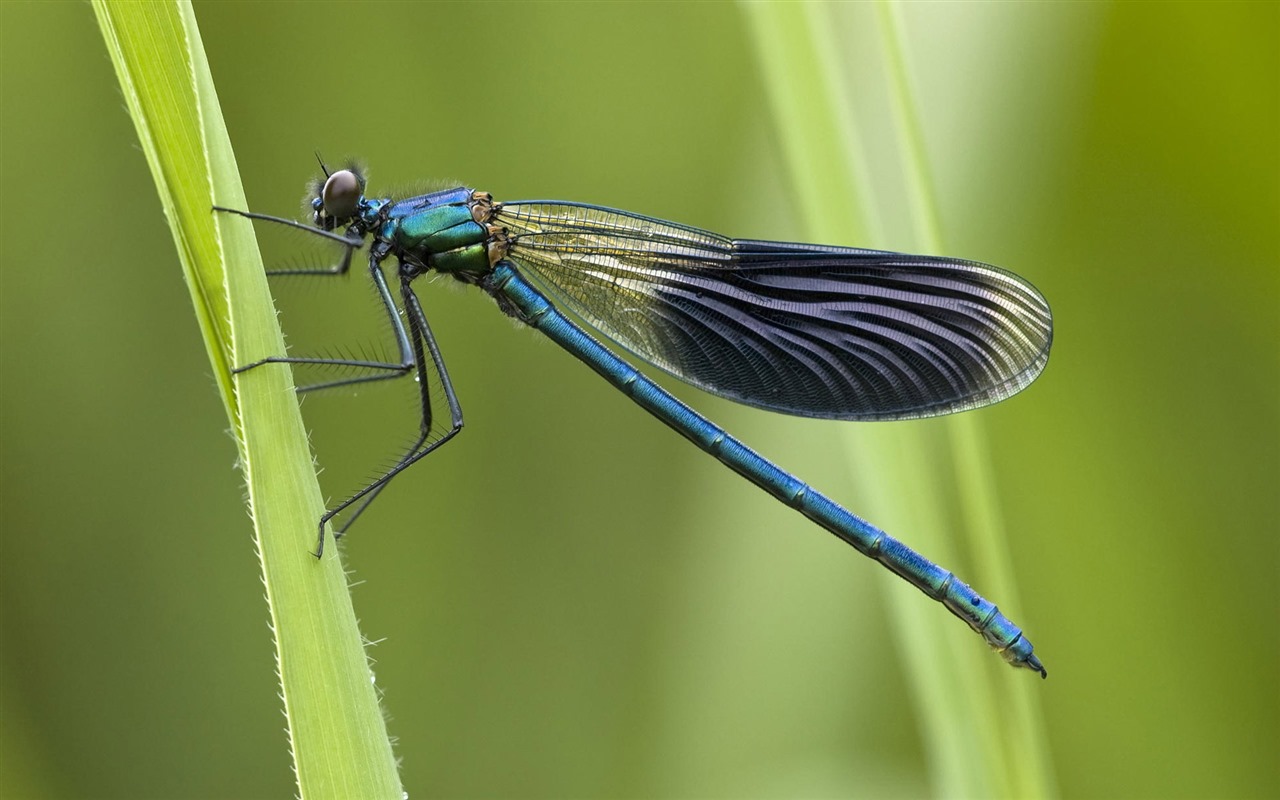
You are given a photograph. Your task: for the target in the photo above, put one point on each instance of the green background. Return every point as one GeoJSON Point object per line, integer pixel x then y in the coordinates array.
{"type": "Point", "coordinates": [569, 600]}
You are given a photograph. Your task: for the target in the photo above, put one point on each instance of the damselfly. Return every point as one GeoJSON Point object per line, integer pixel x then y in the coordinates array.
{"type": "Point", "coordinates": [810, 330]}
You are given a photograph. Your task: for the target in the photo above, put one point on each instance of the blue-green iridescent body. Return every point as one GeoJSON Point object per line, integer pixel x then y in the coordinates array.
{"type": "Point", "coordinates": [809, 330]}
{"type": "Point", "coordinates": [438, 231]}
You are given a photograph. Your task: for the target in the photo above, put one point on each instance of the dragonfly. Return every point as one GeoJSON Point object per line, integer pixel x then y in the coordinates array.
{"type": "Point", "coordinates": [809, 330]}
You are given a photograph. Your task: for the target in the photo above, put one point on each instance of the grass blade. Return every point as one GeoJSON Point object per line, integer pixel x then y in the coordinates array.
{"type": "Point", "coordinates": [336, 729]}
{"type": "Point", "coordinates": [917, 479]}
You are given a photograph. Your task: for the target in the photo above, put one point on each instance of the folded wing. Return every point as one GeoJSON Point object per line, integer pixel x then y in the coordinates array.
{"type": "Point", "coordinates": [830, 332]}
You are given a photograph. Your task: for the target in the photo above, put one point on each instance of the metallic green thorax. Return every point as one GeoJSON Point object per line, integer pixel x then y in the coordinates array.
{"type": "Point", "coordinates": [445, 231]}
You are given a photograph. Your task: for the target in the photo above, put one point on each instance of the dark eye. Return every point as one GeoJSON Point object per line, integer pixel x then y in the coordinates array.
{"type": "Point", "coordinates": [341, 194]}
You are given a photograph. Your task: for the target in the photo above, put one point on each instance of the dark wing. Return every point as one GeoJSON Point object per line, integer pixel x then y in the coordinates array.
{"type": "Point", "coordinates": [831, 332]}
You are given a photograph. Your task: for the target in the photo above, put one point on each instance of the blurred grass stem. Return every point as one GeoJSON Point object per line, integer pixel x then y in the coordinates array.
{"type": "Point", "coordinates": [979, 720]}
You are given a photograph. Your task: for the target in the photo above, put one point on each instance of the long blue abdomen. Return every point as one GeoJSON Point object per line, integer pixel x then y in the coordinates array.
{"type": "Point", "coordinates": [507, 285]}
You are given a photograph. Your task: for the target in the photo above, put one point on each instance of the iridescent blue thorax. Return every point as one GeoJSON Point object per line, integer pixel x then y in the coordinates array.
{"type": "Point", "coordinates": [447, 231]}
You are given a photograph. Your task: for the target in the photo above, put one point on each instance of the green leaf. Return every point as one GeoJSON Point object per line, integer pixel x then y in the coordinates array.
{"type": "Point", "coordinates": [929, 482]}
{"type": "Point", "coordinates": [336, 729]}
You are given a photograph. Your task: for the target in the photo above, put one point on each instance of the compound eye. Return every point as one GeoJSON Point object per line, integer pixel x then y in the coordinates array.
{"type": "Point", "coordinates": [341, 194]}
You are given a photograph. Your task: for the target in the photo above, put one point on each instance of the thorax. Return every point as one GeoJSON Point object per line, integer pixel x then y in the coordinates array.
{"type": "Point", "coordinates": [447, 231]}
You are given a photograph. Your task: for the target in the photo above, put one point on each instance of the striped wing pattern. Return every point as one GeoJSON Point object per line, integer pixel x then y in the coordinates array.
{"type": "Point", "coordinates": [815, 331]}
